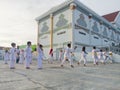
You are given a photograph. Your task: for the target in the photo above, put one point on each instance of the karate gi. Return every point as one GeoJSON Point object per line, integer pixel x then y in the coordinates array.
{"type": "Point", "coordinates": [94, 56]}
{"type": "Point", "coordinates": [101, 58]}
{"type": "Point", "coordinates": [67, 55]}
{"type": "Point", "coordinates": [12, 57]}
{"type": "Point", "coordinates": [6, 57]}
{"type": "Point", "coordinates": [40, 57]}
{"type": "Point", "coordinates": [83, 57]}
{"type": "Point", "coordinates": [61, 56]}
{"type": "Point", "coordinates": [28, 56]}
{"type": "Point", "coordinates": [22, 57]}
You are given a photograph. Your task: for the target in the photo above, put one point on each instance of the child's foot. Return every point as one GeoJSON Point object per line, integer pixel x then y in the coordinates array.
{"type": "Point", "coordinates": [39, 68]}
{"type": "Point", "coordinates": [72, 66]}
{"type": "Point", "coordinates": [12, 67]}
{"type": "Point", "coordinates": [61, 65]}
{"type": "Point", "coordinates": [27, 67]}
{"type": "Point", "coordinates": [96, 63]}
{"type": "Point", "coordinates": [78, 63]}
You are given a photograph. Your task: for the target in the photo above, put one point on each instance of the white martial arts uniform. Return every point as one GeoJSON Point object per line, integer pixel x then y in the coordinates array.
{"type": "Point", "coordinates": [67, 55]}
{"type": "Point", "coordinates": [101, 58]}
{"type": "Point", "coordinates": [83, 57]}
{"type": "Point", "coordinates": [61, 56]}
{"type": "Point", "coordinates": [28, 56]}
{"type": "Point", "coordinates": [6, 57]}
{"type": "Point", "coordinates": [94, 56]}
{"type": "Point", "coordinates": [40, 57]}
{"type": "Point", "coordinates": [12, 57]}
{"type": "Point", "coordinates": [22, 57]}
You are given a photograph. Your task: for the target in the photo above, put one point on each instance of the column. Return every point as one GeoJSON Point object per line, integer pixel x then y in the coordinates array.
{"type": "Point", "coordinates": [72, 8]}
{"type": "Point", "coordinates": [51, 31]}
{"type": "Point", "coordinates": [38, 32]}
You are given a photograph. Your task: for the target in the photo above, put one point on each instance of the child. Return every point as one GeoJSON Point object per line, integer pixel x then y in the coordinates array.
{"type": "Point", "coordinates": [51, 56]}
{"type": "Point", "coordinates": [101, 58]}
{"type": "Point", "coordinates": [18, 54]}
{"type": "Point", "coordinates": [12, 56]}
{"type": "Point", "coordinates": [60, 55]}
{"type": "Point", "coordinates": [40, 55]}
{"type": "Point", "coordinates": [94, 56]}
{"type": "Point", "coordinates": [28, 55]}
{"type": "Point", "coordinates": [83, 56]}
{"type": "Point", "coordinates": [67, 55]}
{"type": "Point", "coordinates": [22, 58]}
{"type": "Point", "coordinates": [6, 57]}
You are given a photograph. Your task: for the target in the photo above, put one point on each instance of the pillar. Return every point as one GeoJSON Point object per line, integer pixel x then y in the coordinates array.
{"type": "Point", "coordinates": [72, 8]}
{"type": "Point", "coordinates": [51, 31]}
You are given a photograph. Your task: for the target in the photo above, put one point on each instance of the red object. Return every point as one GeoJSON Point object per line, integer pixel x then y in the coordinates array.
{"type": "Point", "coordinates": [111, 17]}
{"type": "Point", "coordinates": [51, 52]}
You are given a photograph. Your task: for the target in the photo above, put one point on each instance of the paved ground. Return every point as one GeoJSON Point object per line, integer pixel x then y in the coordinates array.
{"type": "Point", "coordinates": [53, 77]}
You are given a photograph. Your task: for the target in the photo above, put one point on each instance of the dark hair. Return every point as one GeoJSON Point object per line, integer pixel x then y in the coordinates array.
{"type": "Point", "coordinates": [69, 45]}
{"type": "Point", "coordinates": [83, 48]}
{"type": "Point", "coordinates": [100, 50]}
{"type": "Point", "coordinates": [6, 50]}
{"type": "Point", "coordinates": [94, 47]}
{"type": "Point", "coordinates": [29, 42]}
{"type": "Point", "coordinates": [13, 44]}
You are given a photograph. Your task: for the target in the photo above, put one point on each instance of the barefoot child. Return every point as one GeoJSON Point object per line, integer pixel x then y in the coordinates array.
{"type": "Point", "coordinates": [40, 55]}
{"type": "Point", "coordinates": [28, 55]}
{"type": "Point", "coordinates": [6, 57]}
{"type": "Point", "coordinates": [12, 56]}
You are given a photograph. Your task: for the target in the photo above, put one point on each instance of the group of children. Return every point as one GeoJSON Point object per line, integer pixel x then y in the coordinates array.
{"type": "Point", "coordinates": [19, 56]}
{"type": "Point", "coordinates": [97, 56]}
{"type": "Point", "coordinates": [15, 55]}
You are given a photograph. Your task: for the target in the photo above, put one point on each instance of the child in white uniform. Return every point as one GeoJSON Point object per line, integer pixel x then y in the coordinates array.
{"type": "Point", "coordinates": [6, 57]}
{"type": "Point", "coordinates": [51, 56]}
{"type": "Point", "coordinates": [60, 55]}
{"type": "Point", "coordinates": [22, 58]}
{"type": "Point", "coordinates": [12, 56]}
{"type": "Point", "coordinates": [40, 55]}
{"type": "Point", "coordinates": [94, 56]}
{"type": "Point", "coordinates": [101, 58]}
{"type": "Point", "coordinates": [67, 55]}
{"type": "Point", "coordinates": [28, 55]}
{"type": "Point", "coordinates": [83, 56]}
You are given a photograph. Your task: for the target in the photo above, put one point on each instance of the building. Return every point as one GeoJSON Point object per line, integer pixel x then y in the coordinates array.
{"type": "Point", "coordinates": [114, 18]}
{"type": "Point", "coordinates": [72, 22]}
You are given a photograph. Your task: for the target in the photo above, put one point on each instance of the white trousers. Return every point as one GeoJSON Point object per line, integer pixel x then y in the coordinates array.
{"type": "Point", "coordinates": [83, 58]}
{"type": "Point", "coordinates": [12, 62]}
{"type": "Point", "coordinates": [27, 61]}
{"type": "Point", "coordinates": [70, 60]}
{"type": "Point", "coordinates": [39, 62]}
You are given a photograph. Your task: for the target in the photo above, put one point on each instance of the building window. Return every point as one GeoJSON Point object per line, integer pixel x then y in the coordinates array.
{"type": "Point", "coordinates": [82, 33]}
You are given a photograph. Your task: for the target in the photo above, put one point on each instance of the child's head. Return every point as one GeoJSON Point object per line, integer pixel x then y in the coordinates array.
{"type": "Point", "coordinates": [6, 50]}
{"type": "Point", "coordinates": [17, 47]}
{"type": "Point", "coordinates": [83, 49]}
{"type": "Point", "coordinates": [100, 50]}
{"type": "Point", "coordinates": [40, 45]}
{"type": "Point", "coordinates": [69, 45]}
{"type": "Point", "coordinates": [94, 47]}
{"type": "Point", "coordinates": [13, 44]}
{"type": "Point", "coordinates": [29, 43]}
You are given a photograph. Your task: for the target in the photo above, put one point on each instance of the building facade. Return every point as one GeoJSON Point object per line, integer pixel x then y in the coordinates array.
{"type": "Point", "coordinates": [72, 22]}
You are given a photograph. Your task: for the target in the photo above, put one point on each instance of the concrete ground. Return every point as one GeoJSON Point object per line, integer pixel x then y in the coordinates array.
{"type": "Point", "coordinates": [53, 77]}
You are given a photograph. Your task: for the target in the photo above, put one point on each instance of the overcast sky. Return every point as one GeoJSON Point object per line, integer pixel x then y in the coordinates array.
{"type": "Point", "coordinates": [17, 17]}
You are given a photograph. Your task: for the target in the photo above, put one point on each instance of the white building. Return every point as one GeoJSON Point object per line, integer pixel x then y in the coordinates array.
{"type": "Point", "coordinates": [72, 22]}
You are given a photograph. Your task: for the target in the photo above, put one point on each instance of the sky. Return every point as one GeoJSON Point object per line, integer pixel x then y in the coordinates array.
{"type": "Point", "coordinates": [17, 17]}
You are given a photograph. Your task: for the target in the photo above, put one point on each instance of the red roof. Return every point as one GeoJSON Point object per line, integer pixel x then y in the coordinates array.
{"type": "Point", "coordinates": [111, 17]}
